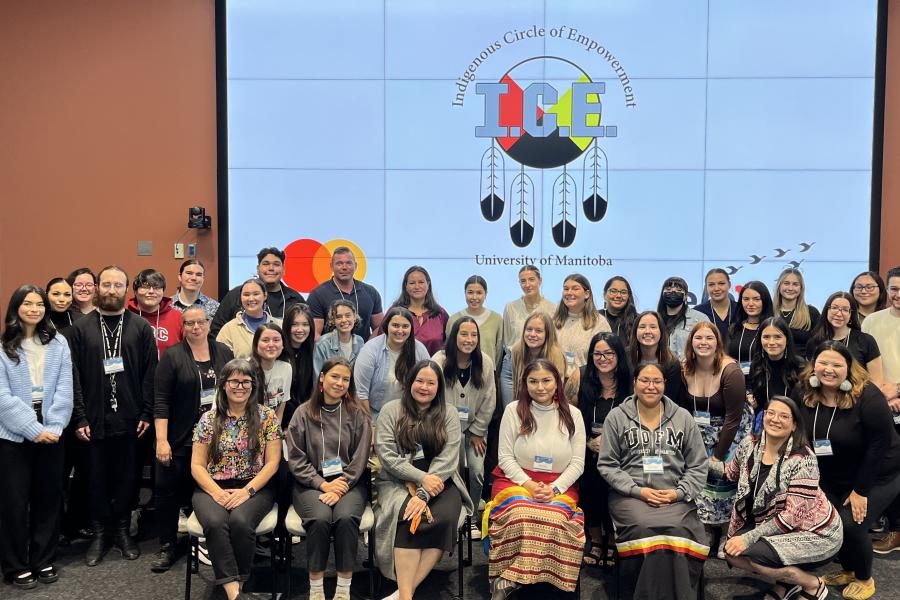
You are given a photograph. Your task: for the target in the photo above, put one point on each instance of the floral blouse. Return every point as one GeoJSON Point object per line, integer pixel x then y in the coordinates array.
{"type": "Point", "coordinates": [235, 461]}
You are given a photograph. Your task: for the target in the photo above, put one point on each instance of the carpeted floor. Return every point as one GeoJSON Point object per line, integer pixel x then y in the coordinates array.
{"type": "Point", "coordinates": [118, 579]}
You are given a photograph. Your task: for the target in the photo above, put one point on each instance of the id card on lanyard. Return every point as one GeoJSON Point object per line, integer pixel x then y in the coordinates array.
{"type": "Point", "coordinates": [543, 464]}
{"type": "Point", "coordinates": [822, 446]}
{"type": "Point", "coordinates": [334, 466]}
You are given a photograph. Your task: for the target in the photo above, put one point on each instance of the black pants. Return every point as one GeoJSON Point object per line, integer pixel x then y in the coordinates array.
{"type": "Point", "coordinates": [856, 551]}
{"type": "Point", "coordinates": [231, 535]}
{"type": "Point", "coordinates": [75, 482]}
{"type": "Point", "coordinates": [111, 477]}
{"type": "Point", "coordinates": [30, 505]}
{"type": "Point", "coordinates": [322, 521]}
{"type": "Point", "coordinates": [173, 489]}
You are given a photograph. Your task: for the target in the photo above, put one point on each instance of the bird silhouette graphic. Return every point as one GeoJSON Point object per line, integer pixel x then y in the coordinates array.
{"type": "Point", "coordinates": [795, 263]}
{"type": "Point", "coordinates": [804, 246]}
{"type": "Point", "coordinates": [732, 270]}
{"type": "Point", "coordinates": [781, 252]}
{"type": "Point", "coordinates": [756, 259]}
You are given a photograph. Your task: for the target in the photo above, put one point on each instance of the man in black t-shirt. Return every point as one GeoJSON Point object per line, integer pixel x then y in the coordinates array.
{"type": "Point", "coordinates": [343, 286]}
{"type": "Point", "coordinates": [114, 360]}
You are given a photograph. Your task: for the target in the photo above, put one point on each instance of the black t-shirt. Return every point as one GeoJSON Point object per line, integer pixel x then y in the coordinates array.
{"type": "Point", "coordinates": [861, 345]}
{"type": "Point", "coordinates": [740, 345]}
{"type": "Point", "coordinates": [113, 423]}
{"type": "Point", "coordinates": [365, 297]}
{"type": "Point", "coordinates": [801, 336]}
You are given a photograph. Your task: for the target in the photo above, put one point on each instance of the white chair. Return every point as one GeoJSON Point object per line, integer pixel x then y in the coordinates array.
{"type": "Point", "coordinates": [195, 532]}
{"type": "Point", "coordinates": [294, 525]}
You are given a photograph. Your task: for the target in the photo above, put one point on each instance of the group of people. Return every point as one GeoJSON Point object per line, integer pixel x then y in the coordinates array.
{"type": "Point", "coordinates": [757, 428]}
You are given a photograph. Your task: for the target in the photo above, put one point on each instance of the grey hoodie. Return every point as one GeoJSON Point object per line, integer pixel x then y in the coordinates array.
{"type": "Point", "coordinates": [677, 440]}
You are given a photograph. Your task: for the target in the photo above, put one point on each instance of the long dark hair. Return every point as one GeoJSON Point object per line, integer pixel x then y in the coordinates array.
{"type": "Point", "coordinates": [407, 358]}
{"type": "Point", "coordinates": [663, 354]}
{"type": "Point", "coordinates": [272, 326]}
{"type": "Point", "coordinates": [761, 364]}
{"type": "Point", "coordinates": [824, 330]}
{"type": "Point", "coordinates": [523, 408]}
{"type": "Point", "coordinates": [425, 428]}
{"type": "Point", "coordinates": [798, 438]}
{"type": "Point", "coordinates": [350, 400]}
{"type": "Point", "coordinates": [672, 321]}
{"type": "Point", "coordinates": [14, 330]}
{"type": "Point", "coordinates": [247, 367]}
{"type": "Point", "coordinates": [404, 300]}
{"type": "Point", "coordinates": [302, 357]}
{"type": "Point", "coordinates": [628, 314]}
{"type": "Point", "coordinates": [451, 352]}
{"type": "Point", "coordinates": [740, 314]}
{"type": "Point", "coordinates": [590, 386]}
{"type": "Point", "coordinates": [882, 289]}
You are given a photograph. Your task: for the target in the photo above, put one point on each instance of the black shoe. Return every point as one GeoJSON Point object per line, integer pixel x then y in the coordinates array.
{"type": "Point", "coordinates": [25, 580]}
{"type": "Point", "coordinates": [164, 559]}
{"type": "Point", "coordinates": [98, 546]}
{"type": "Point", "coordinates": [124, 542]}
{"type": "Point", "coordinates": [48, 574]}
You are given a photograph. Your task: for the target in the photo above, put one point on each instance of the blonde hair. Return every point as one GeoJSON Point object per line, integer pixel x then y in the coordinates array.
{"type": "Point", "coordinates": [800, 318]}
{"type": "Point", "coordinates": [549, 350]}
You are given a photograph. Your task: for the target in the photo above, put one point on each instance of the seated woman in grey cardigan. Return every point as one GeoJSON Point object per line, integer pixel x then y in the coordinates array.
{"type": "Point", "coordinates": [420, 492]}
{"type": "Point", "coordinates": [781, 519]}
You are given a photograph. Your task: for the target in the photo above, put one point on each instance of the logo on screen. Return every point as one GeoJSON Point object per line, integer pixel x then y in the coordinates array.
{"type": "Point", "coordinates": [307, 262]}
{"type": "Point", "coordinates": [544, 113]}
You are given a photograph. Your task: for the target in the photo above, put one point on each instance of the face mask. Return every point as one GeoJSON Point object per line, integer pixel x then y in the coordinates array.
{"type": "Point", "coordinates": [673, 299]}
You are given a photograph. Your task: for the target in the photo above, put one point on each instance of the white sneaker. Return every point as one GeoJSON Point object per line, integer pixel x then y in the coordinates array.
{"type": "Point", "coordinates": [317, 594]}
{"type": "Point", "coordinates": [182, 522]}
{"type": "Point", "coordinates": [296, 539]}
{"type": "Point", "coordinates": [341, 593]}
{"type": "Point", "coordinates": [475, 531]}
{"type": "Point", "coordinates": [203, 554]}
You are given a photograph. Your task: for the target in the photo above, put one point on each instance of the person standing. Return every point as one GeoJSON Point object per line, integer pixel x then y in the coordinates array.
{"type": "Point", "coordinates": [490, 323]}
{"type": "Point", "coordinates": [238, 333]}
{"type": "Point", "coordinates": [59, 293]}
{"type": "Point", "coordinates": [190, 280]}
{"type": "Point", "coordinates": [279, 297]}
{"type": "Point", "coordinates": [84, 286]}
{"type": "Point", "coordinates": [114, 360]}
{"type": "Point", "coordinates": [151, 303]}
{"type": "Point", "coordinates": [185, 387]}
{"type": "Point", "coordinates": [344, 286]}
{"type": "Point", "coordinates": [417, 296]}
{"type": "Point", "coordinates": [35, 406]}
{"type": "Point", "coordinates": [679, 318]}
{"type": "Point", "coordinates": [720, 307]}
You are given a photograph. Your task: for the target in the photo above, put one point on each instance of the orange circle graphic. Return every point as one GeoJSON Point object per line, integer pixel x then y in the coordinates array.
{"type": "Point", "coordinates": [308, 262]}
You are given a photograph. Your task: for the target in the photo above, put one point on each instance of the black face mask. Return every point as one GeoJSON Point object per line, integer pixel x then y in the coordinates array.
{"type": "Point", "coordinates": [673, 299]}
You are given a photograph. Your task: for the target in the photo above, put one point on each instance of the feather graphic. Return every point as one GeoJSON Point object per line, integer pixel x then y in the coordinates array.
{"type": "Point", "coordinates": [493, 183]}
{"type": "Point", "coordinates": [565, 214]}
{"type": "Point", "coordinates": [521, 214]}
{"type": "Point", "coordinates": [595, 174]}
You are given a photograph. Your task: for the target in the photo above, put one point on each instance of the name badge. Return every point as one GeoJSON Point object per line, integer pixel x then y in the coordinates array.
{"type": "Point", "coordinates": [570, 358]}
{"type": "Point", "coordinates": [420, 452]}
{"type": "Point", "coordinates": [652, 464]}
{"type": "Point", "coordinates": [207, 397]}
{"type": "Point", "coordinates": [113, 365]}
{"type": "Point", "coordinates": [463, 414]}
{"type": "Point", "coordinates": [543, 463]}
{"type": "Point", "coordinates": [896, 418]}
{"type": "Point", "coordinates": [745, 367]}
{"type": "Point", "coordinates": [822, 448]}
{"type": "Point", "coordinates": [596, 428]}
{"type": "Point", "coordinates": [37, 392]}
{"type": "Point", "coordinates": [332, 467]}
{"type": "Point", "coordinates": [702, 418]}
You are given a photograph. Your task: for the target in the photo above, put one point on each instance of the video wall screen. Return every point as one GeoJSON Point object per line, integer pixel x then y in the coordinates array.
{"type": "Point", "coordinates": [623, 137]}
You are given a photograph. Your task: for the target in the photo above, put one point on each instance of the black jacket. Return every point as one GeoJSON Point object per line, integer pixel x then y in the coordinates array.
{"type": "Point", "coordinates": [178, 389]}
{"type": "Point", "coordinates": [231, 304]}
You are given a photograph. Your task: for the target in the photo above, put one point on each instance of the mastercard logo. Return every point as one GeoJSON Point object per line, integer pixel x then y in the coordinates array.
{"type": "Point", "coordinates": [307, 263]}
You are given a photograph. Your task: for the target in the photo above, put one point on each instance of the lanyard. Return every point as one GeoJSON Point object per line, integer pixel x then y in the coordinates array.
{"type": "Point", "coordinates": [283, 305]}
{"type": "Point", "coordinates": [104, 328]}
{"type": "Point", "coordinates": [353, 293]}
{"type": "Point", "coordinates": [716, 317]}
{"type": "Point", "coordinates": [708, 400]}
{"type": "Point", "coordinates": [340, 426]}
{"type": "Point", "coordinates": [741, 345]}
{"type": "Point", "coordinates": [641, 437]}
{"type": "Point", "coordinates": [816, 416]}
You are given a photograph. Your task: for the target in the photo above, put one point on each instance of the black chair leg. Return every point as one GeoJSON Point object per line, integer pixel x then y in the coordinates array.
{"type": "Point", "coordinates": [460, 564]}
{"type": "Point", "coordinates": [189, 565]}
{"type": "Point", "coordinates": [273, 544]}
{"type": "Point", "coordinates": [288, 562]}
{"type": "Point", "coordinates": [468, 534]}
{"type": "Point", "coordinates": [372, 565]}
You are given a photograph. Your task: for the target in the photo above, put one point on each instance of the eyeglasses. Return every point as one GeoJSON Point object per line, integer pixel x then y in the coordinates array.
{"type": "Point", "coordinates": [608, 355]}
{"type": "Point", "coordinates": [778, 416]}
{"type": "Point", "coordinates": [149, 288]}
{"type": "Point", "coordinates": [190, 324]}
{"type": "Point", "coordinates": [654, 382]}
{"type": "Point", "coordinates": [234, 384]}
{"type": "Point", "coordinates": [865, 288]}
{"type": "Point", "coordinates": [840, 309]}
{"type": "Point", "coordinates": [107, 285]}
{"type": "Point", "coordinates": [615, 292]}
{"type": "Point", "coordinates": [83, 286]}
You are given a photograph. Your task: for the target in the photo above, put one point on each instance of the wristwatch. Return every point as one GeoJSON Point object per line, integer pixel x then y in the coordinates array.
{"type": "Point", "coordinates": [556, 491]}
{"type": "Point", "coordinates": [250, 491]}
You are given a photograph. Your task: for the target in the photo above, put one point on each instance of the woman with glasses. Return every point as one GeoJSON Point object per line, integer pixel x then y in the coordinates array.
{"type": "Point", "coordinates": [858, 452]}
{"type": "Point", "coordinates": [790, 305]}
{"type": "Point", "coordinates": [677, 316]}
{"type": "Point", "coordinates": [652, 455]}
{"type": "Point", "coordinates": [870, 293]}
{"type": "Point", "coordinates": [84, 286]}
{"type": "Point", "coordinates": [605, 382]}
{"type": "Point", "coordinates": [841, 324]}
{"type": "Point", "coordinates": [185, 388]}
{"type": "Point", "coordinates": [783, 524]}
{"type": "Point", "coordinates": [715, 393]}
{"type": "Point", "coordinates": [618, 306]}
{"type": "Point", "coordinates": [236, 451]}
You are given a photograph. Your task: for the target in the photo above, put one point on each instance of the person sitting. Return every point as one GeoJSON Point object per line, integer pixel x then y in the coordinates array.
{"type": "Point", "coordinates": [782, 520]}
{"type": "Point", "coordinates": [535, 529]}
{"type": "Point", "coordinates": [237, 447]}
{"type": "Point", "coordinates": [420, 492]}
{"type": "Point", "coordinates": [653, 457]}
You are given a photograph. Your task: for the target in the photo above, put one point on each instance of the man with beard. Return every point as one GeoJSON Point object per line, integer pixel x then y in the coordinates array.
{"type": "Point", "coordinates": [114, 360]}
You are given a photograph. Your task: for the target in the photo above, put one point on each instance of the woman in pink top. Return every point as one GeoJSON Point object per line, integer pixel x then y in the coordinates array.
{"type": "Point", "coordinates": [431, 318]}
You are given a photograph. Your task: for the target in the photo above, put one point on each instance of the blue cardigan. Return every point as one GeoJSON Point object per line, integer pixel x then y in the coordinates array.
{"type": "Point", "coordinates": [17, 419]}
